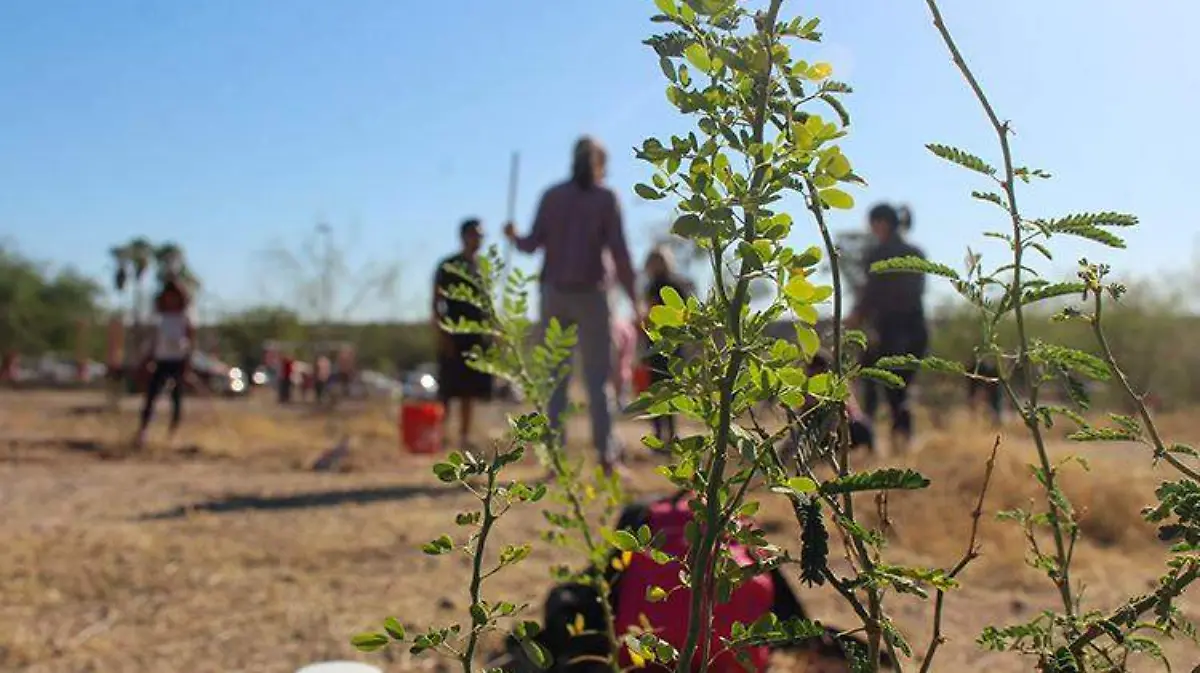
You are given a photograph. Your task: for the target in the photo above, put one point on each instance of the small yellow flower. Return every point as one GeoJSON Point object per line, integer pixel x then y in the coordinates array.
{"type": "Point", "coordinates": [622, 562]}
{"type": "Point", "coordinates": [645, 622]}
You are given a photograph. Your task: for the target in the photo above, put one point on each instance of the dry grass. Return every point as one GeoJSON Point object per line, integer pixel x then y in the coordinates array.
{"type": "Point", "coordinates": [224, 553]}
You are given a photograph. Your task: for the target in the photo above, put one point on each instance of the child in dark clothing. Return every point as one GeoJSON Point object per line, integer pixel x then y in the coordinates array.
{"type": "Point", "coordinates": [661, 274]}
{"type": "Point", "coordinates": [170, 351]}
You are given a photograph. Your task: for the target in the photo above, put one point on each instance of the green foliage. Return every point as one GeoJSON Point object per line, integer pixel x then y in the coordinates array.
{"type": "Point", "coordinates": [244, 333]}
{"type": "Point", "coordinates": [1069, 640]}
{"type": "Point", "coordinates": [769, 124]}
{"type": "Point", "coordinates": [535, 368]}
{"type": "Point", "coordinates": [40, 308]}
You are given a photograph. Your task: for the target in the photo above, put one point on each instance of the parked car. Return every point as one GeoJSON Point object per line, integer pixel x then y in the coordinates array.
{"type": "Point", "coordinates": [378, 384]}
{"type": "Point", "coordinates": [213, 375]}
{"type": "Point", "coordinates": [421, 383]}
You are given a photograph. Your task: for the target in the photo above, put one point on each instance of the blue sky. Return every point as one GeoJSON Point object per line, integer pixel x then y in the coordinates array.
{"type": "Point", "coordinates": [231, 125]}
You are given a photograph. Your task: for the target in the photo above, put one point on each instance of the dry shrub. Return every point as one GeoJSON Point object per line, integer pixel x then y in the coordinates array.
{"type": "Point", "coordinates": [1108, 494]}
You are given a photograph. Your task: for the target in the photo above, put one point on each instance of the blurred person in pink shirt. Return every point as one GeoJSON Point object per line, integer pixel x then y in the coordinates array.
{"type": "Point", "coordinates": [624, 340]}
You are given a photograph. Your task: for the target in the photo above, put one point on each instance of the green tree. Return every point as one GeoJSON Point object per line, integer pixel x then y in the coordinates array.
{"type": "Point", "coordinates": [141, 256]}
{"type": "Point", "coordinates": [243, 333]}
{"type": "Point", "coordinates": [41, 310]}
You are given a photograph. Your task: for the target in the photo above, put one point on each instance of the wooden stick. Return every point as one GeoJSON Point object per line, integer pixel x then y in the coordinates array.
{"type": "Point", "coordinates": [513, 174]}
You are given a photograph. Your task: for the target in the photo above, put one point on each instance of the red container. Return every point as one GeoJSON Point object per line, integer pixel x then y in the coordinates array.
{"type": "Point", "coordinates": [641, 378]}
{"type": "Point", "coordinates": [421, 426]}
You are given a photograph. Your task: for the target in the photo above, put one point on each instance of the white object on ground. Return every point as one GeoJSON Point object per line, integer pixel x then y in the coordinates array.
{"type": "Point", "coordinates": [340, 667]}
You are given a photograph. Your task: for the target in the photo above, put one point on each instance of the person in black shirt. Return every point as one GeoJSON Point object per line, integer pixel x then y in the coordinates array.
{"type": "Point", "coordinates": [891, 308]}
{"type": "Point", "coordinates": [660, 274]}
{"type": "Point", "coordinates": [456, 378]}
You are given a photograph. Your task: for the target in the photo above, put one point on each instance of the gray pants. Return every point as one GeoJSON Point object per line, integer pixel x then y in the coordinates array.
{"type": "Point", "coordinates": [589, 311]}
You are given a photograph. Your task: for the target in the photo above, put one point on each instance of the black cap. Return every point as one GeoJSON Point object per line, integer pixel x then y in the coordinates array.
{"type": "Point", "coordinates": [469, 225]}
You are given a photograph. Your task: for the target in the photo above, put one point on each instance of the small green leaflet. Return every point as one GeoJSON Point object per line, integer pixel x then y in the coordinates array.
{"type": "Point", "coordinates": [962, 158]}
{"type": "Point", "coordinates": [883, 376]}
{"type": "Point", "coordinates": [647, 192]}
{"type": "Point", "coordinates": [879, 480]}
{"type": "Point", "coordinates": [394, 628]}
{"type": "Point", "coordinates": [665, 316]}
{"type": "Point", "coordinates": [537, 654]}
{"type": "Point", "coordinates": [1077, 226]}
{"type": "Point", "coordinates": [698, 56]}
{"type": "Point", "coordinates": [914, 264]}
{"type": "Point", "coordinates": [836, 198]}
{"type": "Point", "coordinates": [671, 298]}
{"type": "Point", "coordinates": [369, 642]}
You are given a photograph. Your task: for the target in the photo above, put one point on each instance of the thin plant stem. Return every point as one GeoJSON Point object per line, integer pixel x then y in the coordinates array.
{"type": "Point", "coordinates": [577, 512]}
{"type": "Point", "coordinates": [477, 574]}
{"type": "Point", "coordinates": [970, 555]}
{"type": "Point", "coordinates": [1062, 575]}
{"type": "Point", "coordinates": [875, 606]}
{"type": "Point", "coordinates": [1130, 612]}
{"type": "Point", "coordinates": [1160, 448]}
{"type": "Point", "coordinates": [699, 635]}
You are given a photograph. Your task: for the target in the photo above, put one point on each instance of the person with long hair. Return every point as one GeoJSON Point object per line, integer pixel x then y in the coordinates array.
{"type": "Point", "coordinates": [577, 222]}
{"type": "Point", "coordinates": [891, 308]}
{"type": "Point", "coordinates": [170, 353]}
{"type": "Point", "coordinates": [661, 274]}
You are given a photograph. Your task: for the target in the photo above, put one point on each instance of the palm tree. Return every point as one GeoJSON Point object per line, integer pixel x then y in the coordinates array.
{"type": "Point", "coordinates": [168, 258]}
{"type": "Point", "coordinates": [141, 253]}
{"type": "Point", "coordinates": [120, 255]}
{"type": "Point", "coordinates": [123, 258]}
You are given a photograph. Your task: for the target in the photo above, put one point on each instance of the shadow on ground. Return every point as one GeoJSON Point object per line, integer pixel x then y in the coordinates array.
{"type": "Point", "coordinates": [299, 501]}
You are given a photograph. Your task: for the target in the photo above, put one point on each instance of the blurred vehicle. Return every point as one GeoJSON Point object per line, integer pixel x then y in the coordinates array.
{"type": "Point", "coordinates": [218, 376]}
{"type": "Point", "coordinates": [56, 370]}
{"type": "Point", "coordinates": [421, 383]}
{"type": "Point", "coordinates": [262, 376]}
{"type": "Point", "coordinates": [377, 384]}
{"type": "Point", "coordinates": [95, 371]}
{"type": "Point", "coordinates": [208, 374]}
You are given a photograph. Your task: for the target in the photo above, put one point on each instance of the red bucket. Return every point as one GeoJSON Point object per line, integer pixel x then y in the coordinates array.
{"type": "Point", "coordinates": [641, 378]}
{"type": "Point", "coordinates": [421, 426]}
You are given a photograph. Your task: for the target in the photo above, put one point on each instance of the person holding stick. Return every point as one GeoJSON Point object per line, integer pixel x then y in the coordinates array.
{"type": "Point", "coordinates": [171, 354]}
{"type": "Point", "coordinates": [577, 222]}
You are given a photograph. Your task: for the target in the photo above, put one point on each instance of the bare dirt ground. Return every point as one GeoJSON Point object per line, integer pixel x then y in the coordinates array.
{"type": "Point", "coordinates": [224, 553]}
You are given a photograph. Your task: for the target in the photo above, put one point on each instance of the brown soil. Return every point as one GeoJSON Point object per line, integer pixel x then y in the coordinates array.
{"type": "Point", "coordinates": [223, 552]}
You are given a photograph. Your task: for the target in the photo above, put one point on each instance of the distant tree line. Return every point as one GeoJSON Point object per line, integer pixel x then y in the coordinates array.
{"type": "Point", "coordinates": [43, 309]}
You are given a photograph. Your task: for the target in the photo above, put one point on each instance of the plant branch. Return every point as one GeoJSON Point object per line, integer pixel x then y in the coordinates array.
{"type": "Point", "coordinates": [1130, 612]}
{"type": "Point", "coordinates": [970, 555]}
{"type": "Point", "coordinates": [703, 567]}
{"type": "Point", "coordinates": [489, 518]}
{"type": "Point", "coordinates": [1160, 448]}
{"type": "Point", "coordinates": [1062, 577]}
